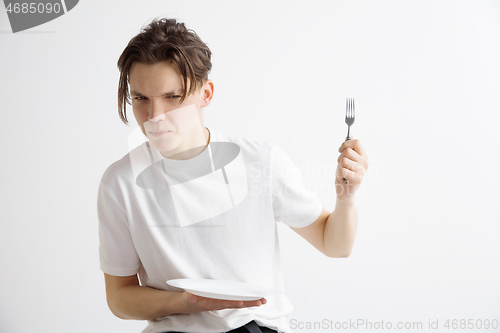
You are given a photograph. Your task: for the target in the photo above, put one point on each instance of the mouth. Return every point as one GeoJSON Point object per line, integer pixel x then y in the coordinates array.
{"type": "Point", "coordinates": [159, 133]}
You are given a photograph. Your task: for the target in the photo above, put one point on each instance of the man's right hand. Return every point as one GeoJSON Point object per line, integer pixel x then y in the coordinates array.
{"type": "Point", "coordinates": [197, 303]}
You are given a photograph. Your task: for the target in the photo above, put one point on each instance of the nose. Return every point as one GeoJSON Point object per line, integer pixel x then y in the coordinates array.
{"type": "Point", "coordinates": [156, 111]}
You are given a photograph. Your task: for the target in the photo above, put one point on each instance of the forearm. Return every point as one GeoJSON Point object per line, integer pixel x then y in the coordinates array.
{"type": "Point", "coordinates": [143, 303]}
{"type": "Point", "coordinates": [340, 229]}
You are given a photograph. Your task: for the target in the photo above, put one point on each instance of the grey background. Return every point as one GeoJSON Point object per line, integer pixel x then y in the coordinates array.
{"type": "Point", "coordinates": [425, 78]}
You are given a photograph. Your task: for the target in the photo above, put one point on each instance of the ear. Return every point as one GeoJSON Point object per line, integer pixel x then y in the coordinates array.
{"type": "Point", "coordinates": [207, 92]}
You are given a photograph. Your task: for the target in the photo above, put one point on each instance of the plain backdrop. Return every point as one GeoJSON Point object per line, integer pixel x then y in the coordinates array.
{"type": "Point", "coordinates": [425, 77]}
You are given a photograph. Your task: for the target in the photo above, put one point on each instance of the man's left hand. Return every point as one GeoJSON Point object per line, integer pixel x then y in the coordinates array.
{"type": "Point", "coordinates": [352, 165]}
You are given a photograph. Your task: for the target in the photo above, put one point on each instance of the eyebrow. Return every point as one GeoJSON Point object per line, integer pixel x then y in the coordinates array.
{"type": "Point", "coordinates": [136, 93]}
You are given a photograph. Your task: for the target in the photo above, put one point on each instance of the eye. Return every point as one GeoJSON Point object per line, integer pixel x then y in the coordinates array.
{"type": "Point", "coordinates": [140, 98]}
{"type": "Point", "coordinates": [173, 96]}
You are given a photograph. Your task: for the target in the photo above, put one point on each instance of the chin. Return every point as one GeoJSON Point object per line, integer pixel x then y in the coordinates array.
{"type": "Point", "coordinates": [164, 145]}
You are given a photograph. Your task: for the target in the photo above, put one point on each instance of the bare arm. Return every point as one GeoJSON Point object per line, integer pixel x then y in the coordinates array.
{"type": "Point", "coordinates": [340, 229]}
{"type": "Point", "coordinates": [129, 300]}
{"type": "Point", "coordinates": [333, 233]}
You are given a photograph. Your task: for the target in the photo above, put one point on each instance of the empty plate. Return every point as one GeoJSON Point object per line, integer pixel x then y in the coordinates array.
{"type": "Point", "coordinates": [224, 289]}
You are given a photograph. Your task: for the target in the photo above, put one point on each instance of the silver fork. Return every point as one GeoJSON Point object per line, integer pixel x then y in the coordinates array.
{"type": "Point", "coordinates": [349, 119]}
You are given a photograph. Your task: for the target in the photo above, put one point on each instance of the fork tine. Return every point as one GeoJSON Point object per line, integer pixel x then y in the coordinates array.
{"type": "Point", "coordinates": [346, 107]}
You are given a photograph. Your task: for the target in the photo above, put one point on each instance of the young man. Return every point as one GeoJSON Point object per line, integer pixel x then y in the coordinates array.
{"type": "Point", "coordinates": [192, 202]}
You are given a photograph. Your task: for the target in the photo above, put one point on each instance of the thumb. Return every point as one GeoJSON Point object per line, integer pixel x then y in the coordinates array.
{"type": "Point", "coordinates": [191, 299]}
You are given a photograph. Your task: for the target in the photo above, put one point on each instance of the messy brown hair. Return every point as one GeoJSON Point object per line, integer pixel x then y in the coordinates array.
{"type": "Point", "coordinates": [165, 40]}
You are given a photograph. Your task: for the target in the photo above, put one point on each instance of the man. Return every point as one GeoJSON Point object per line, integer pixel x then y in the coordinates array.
{"type": "Point", "coordinates": [206, 206]}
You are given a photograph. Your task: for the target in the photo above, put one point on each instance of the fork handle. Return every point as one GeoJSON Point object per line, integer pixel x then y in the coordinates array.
{"type": "Point", "coordinates": [348, 138]}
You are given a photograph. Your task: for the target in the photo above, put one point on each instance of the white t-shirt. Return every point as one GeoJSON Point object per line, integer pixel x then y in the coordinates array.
{"type": "Point", "coordinates": [161, 232]}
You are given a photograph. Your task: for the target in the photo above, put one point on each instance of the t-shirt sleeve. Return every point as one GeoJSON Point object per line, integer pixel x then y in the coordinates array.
{"type": "Point", "coordinates": [117, 254]}
{"type": "Point", "coordinates": [293, 203]}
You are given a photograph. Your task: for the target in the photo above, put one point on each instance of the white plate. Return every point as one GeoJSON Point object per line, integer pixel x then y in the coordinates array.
{"type": "Point", "coordinates": [224, 289]}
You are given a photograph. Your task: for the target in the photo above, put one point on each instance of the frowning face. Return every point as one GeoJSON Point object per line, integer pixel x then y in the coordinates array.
{"type": "Point", "coordinates": [172, 127]}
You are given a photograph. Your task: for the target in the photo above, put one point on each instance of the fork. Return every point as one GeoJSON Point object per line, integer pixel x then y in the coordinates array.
{"type": "Point", "coordinates": [349, 119]}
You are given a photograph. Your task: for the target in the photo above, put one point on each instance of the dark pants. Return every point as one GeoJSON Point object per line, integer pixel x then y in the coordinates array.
{"type": "Point", "coordinates": [250, 327]}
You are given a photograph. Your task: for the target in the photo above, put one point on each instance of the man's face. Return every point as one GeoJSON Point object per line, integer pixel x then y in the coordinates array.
{"type": "Point", "coordinates": [156, 91]}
